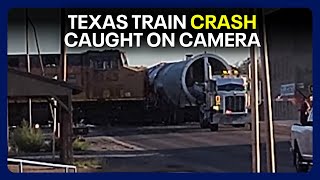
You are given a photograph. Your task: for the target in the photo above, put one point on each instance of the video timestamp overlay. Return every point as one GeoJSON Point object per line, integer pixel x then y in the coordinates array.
{"type": "Point", "coordinates": [160, 90]}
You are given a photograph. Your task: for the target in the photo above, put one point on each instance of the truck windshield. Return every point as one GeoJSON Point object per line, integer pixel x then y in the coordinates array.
{"type": "Point", "coordinates": [231, 87]}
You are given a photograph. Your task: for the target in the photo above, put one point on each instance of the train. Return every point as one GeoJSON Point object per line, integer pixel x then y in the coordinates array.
{"type": "Point", "coordinates": [115, 92]}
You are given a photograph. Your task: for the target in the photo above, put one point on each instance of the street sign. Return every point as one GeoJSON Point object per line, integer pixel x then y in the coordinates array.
{"type": "Point", "coordinates": [288, 89]}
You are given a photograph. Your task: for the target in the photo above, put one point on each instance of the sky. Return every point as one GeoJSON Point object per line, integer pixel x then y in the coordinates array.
{"type": "Point", "coordinates": [49, 42]}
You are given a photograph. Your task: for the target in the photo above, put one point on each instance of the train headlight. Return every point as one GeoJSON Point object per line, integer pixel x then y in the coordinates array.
{"type": "Point", "coordinates": [215, 108]}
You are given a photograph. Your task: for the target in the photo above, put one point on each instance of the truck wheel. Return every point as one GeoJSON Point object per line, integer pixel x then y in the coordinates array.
{"type": "Point", "coordinates": [297, 161]}
{"type": "Point", "coordinates": [214, 127]}
{"type": "Point", "coordinates": [204, 124]}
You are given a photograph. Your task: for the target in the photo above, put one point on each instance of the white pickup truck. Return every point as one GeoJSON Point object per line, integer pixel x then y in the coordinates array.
{"type": "Point", "coordinates": [301, 145]}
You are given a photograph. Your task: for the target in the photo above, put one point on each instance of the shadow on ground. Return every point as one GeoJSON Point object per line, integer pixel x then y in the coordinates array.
{"type": "Point", "coordinates": [128, 131]}
{"type": "Point", "coordinates": [206, 159]}
{"type": "Point", "coordinates": [231, 159]}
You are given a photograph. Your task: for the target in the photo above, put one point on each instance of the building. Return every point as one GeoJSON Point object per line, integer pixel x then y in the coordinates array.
{"type": "Point", "coordinates": [289, 38]}
{"type": "Point", "coordinates": [290, 57]}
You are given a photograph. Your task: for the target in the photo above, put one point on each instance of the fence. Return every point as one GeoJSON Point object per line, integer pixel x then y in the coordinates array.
{"type": "Point", "coordinates": [21, 162]}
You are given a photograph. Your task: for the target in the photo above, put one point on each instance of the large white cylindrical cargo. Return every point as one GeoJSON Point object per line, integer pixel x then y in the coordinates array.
{"type": "Point", "coordinates": [178, 82]}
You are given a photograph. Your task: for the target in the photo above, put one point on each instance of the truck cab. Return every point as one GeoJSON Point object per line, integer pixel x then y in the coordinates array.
{"type": "Point", "coordinates": [302, 144]}
{"type": "Point", "coordinates": [229, 101]}
{"type": "Point", "coordinates": [232, 93]}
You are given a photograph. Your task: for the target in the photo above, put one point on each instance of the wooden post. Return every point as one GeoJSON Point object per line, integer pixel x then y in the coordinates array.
{"type": "Point", "coordinates": [66, 153]}
{"type": "Point", "coordinates": [266, 93]}
{"type": "Point", "coordinates": [70, 129]}
{"type": "Point", "coordinates": [255, 135]}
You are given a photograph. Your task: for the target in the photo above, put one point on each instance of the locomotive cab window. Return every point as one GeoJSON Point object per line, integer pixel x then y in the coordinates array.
{"type": "Point", "coordinates": [104, 65]}
{"type": "Point", "coordinates": [101, 65]}
{"type": "Point", "coordinates": [98, 65]}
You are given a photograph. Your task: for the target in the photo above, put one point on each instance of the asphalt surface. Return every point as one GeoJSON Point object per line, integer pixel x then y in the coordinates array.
{"type": "Point", "coordinates": [184, 148]}
{"type": "Point", "coordinates": [191, 149]}
{"type": "Point", "coordinates": [205, 159]}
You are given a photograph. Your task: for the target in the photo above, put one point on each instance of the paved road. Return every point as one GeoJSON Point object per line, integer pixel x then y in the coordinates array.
{"type": "Point", "coordinates": [185, 148]}
{"type": "Point", "coordinates": [190, 149]}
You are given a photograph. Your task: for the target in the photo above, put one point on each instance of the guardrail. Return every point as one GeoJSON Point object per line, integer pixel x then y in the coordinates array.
{"type": "Point", "coordinates": [21, 162]}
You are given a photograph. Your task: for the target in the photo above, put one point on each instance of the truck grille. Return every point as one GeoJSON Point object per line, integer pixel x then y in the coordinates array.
{"type": "Point", "coordinates": [235, 103]}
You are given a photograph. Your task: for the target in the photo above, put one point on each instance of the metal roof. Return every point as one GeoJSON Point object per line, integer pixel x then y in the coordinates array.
{"type": "Point", "coordinates": [27, 84]}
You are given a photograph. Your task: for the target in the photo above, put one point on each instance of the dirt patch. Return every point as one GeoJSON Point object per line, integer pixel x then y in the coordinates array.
{"type": "Point", "coordinates": [105, 143]}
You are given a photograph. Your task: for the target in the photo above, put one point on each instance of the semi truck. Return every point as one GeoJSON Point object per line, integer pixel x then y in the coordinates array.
{"type": "Point", "coordinates": [194, 87]}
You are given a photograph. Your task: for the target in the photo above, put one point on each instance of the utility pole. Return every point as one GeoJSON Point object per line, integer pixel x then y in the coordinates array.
{"type": "Point", "coordinates": [266, 93]}
{"type": "Point", "coordinates": [63, 55]}
{"type": "Point", "coordinates": [28, 66]}
{"type": "Point", "coordinates": [255, 128]}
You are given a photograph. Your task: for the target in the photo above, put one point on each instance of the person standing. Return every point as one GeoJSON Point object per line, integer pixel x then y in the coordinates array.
{"type": "Point", "coordinates": [304, 110]}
